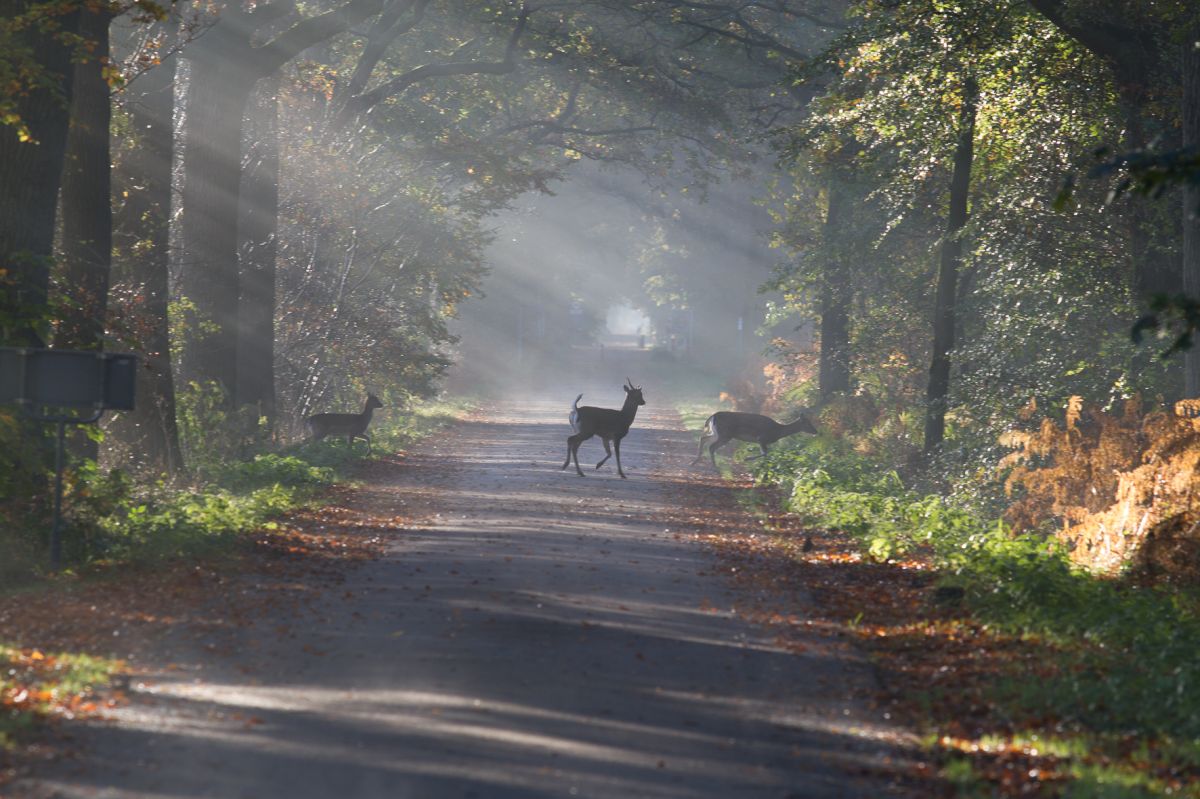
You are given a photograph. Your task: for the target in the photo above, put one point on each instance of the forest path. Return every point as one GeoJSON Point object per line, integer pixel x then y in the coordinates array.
{"type": "Point", "coordinates": [542, 636]}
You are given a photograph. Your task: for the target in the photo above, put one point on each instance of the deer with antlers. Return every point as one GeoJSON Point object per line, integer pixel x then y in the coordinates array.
{"type": "Point", "coordinates": [611, 425]}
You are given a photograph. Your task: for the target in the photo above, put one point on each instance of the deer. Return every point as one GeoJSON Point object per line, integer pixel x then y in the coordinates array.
{"type": "Point", "coordinates": [726, 426]}
{"type": "Point", "coordinates": [609, 424]}
{"type": "Point", "coordinates": [350, 425]}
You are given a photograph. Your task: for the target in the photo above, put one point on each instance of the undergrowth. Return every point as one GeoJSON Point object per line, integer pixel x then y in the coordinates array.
{"type": "Point", "coordinates": [110, 517]}
{"type": "Point", "coordinates": [1120, 674]}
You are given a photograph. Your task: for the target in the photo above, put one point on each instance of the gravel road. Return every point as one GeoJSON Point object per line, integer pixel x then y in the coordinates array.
{"type": "Point", "coordinates": [542, 635]}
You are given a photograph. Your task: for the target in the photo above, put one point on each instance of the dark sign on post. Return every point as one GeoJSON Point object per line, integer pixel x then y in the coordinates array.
{"type": "Point", "coordinates": [65, 387]}
{"type": "Point", "coordinates": [67, 378]}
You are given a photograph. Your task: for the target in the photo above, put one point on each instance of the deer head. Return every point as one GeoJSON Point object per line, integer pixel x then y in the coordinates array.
{"type": "Point", "coordinates": [633, 394]}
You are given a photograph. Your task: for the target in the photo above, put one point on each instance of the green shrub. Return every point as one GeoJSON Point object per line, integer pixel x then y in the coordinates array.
{"type": "Point", "coordinates": [110, 516]}
{"type": "Point", "coordinates": [1126, 655]}
{"type": "Point", "coordinates": [271, 469]}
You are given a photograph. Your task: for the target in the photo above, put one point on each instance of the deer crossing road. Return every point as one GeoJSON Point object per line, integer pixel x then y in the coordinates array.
{"type": "Point", "coordinates": [538, 636]}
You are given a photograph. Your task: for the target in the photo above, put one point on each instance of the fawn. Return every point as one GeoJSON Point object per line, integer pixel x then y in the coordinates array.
{"type": "Point", "coordinates": [610, 425]}
{"type": "Point", "coordinates": [350, 425]}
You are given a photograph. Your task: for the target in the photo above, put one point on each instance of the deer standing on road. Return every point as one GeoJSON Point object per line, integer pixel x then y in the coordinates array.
{"type": "Point", "coordinates": [350, 425]}
{"type": "Point", "coordinates": [607, 423]}
{"type": "Point", "coordinates": [726, 426]}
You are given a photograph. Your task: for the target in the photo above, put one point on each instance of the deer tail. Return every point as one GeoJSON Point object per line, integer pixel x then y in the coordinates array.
{"type": "Point", "coordinates": [573, 418]}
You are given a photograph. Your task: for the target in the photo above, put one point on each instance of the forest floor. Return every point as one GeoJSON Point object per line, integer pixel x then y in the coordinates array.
{"type": "Point", "coordinates": [471, 621]}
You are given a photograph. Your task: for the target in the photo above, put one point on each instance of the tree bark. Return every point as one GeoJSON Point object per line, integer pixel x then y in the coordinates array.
{"type": "Point", "coordinates": [945, 302]}
{"type": "Point", "coordinates": [30, 173]}
{"type": "Point", "coordinates": [1191, 198]}
{"type": "Point", "coordinates": [87, 197]}
{"type": "Point", "coordinates": [150, 429]}
{"type": "Point", "coordinates": [86, 206]}
{"type": "Point", "coordinates": [1155, 264]}
{"type": "Point", "coordinates": [260, 211]}
{"type": "Point", "coordinates": [833, 374]}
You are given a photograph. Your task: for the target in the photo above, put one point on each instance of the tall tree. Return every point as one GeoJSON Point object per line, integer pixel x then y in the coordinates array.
{"type": "Point", "coordinates": [225, 65]}
{"type": "Point", "coordinates": [1191, 192]}
{"type": "Point", "coordinates": [258, 251]}
{"type": "Point", "coordinates": [946, 299]}
{"type": "Point", "coordinates": [141, 234]}
{"type": "Point", "coordinates": [87, 192]}
{"type": "Point", "coordinates": [837, 294]}
{"type": "Point", "coordinates": [35, 60]}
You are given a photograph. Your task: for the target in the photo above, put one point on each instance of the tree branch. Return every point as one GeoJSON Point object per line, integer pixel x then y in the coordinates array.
{"type": "Point", "coordinates": [363, 102]}
{"type": "Point", "coordinates": [1124, 44]}
{"type": "Point", "coordinates": [386, 30]}
{"type": "Point", "coordinates": [309, 32]}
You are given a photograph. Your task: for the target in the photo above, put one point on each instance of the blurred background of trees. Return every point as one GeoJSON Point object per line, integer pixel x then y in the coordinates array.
{"type": "Point", "coordinates": [891, 207]}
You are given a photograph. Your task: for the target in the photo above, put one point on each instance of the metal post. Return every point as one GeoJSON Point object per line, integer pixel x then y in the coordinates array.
{"type": "Point", "coordinates": [56, 530]}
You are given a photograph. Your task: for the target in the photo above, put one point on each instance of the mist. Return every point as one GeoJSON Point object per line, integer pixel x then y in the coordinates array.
{"type": "Point", "coordinates": [884, 316]}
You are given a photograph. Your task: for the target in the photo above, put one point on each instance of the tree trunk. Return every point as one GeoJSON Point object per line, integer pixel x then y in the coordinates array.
{"type": "Point", "coordinates": [30, 172]}
{"type": "Point", "coordinates": [836, 295]}
{"type": "Point", "coordinates": [87, 197]}
{"type": "Point", "coordinates": [217, 95]}
{"type": "Point", "coordinates": [260, 212]}
{"type": "Point", "coordinates": [947, 280]}
{"type": "Point", "coordinates": [86, 207]}
{"type": "Point", "coordinates": [1191, 200]}
{"type": "Point", "coordinates": [1155, 262]}
{"type": "Point", "coordinates": [224, 69]}
{"type": "Point", "coordinates": [150, 428]}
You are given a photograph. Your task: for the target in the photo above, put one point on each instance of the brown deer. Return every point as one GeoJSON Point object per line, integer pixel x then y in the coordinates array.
{"type": "Point", "coordinates": [607, 423]}
{"type": "Point", "coordinates": [350, 425]}
{"type": "Point", "coordinates": [726, 426]}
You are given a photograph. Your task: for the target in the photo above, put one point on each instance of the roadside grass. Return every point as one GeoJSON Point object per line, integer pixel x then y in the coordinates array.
{"type": "Point", "coordinates": [113, 519]}
{"type": "Point", "coordinates": [1026, 674]}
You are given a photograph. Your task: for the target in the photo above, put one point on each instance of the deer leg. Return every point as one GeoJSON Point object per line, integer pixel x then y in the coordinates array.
{"type": "Point", "coordinates": [573, 443]}
{"type": "Point", "coordinates": [700, 452]}
{"type": "Point", "coordinates": [617, 447]}
{"type": "Point", "coordinates": [575, 455]}
{"type": "Point", "coordinates": [762, 447]}
{"type": "Point", "coordinates": [712, 451]}
{"type": "Point", "coordinates": [607, 452]}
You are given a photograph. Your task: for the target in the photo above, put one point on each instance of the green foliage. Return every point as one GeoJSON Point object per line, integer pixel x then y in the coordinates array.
{"type": "Point", "coordinates": [831, 486]}
{"type": "Point", "coordinates": [112, 517]}
{"type": "Point", "coordinates": [119, 522]}
{"type": "Point", "coordinates": [1126, 657]}
{"type": "Point", "coordinates": [272, 469]}
{"type": "Point", "coordinates": [210, 433]}
{"type": "Point", "coordinates": [1044, 295]}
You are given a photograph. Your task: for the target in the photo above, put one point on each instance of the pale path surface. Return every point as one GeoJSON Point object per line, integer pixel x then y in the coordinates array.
{"type": "Point", "coordinates": [543, 637]}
